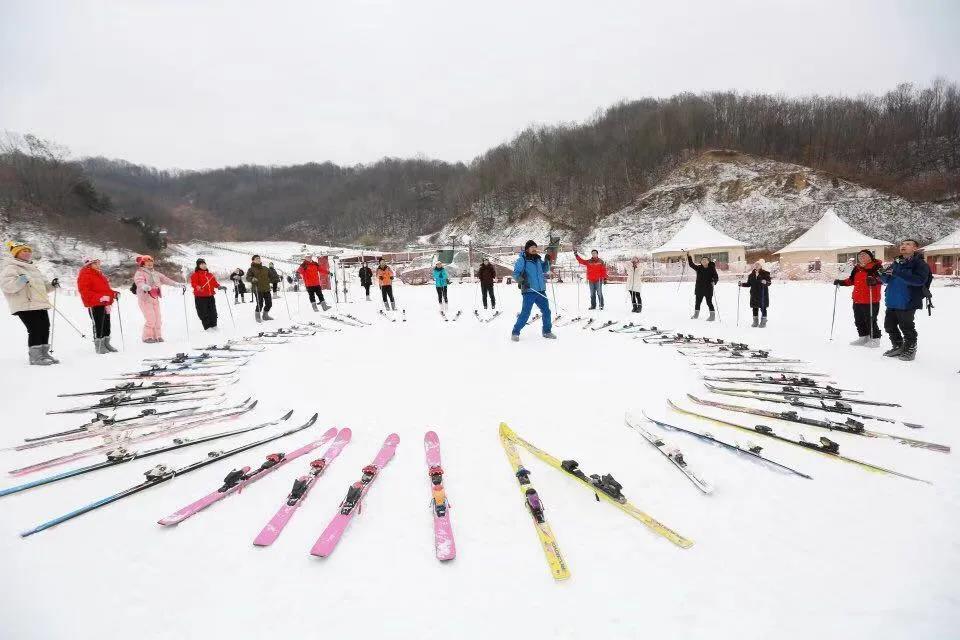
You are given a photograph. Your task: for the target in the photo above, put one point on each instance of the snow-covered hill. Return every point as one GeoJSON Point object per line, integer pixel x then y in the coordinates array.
{"type": "Point", "coordinates": [763, 202]}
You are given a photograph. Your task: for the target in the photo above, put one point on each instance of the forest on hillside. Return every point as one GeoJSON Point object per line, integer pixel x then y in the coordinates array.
{"type": "Point", "coordinates": [905, 141]}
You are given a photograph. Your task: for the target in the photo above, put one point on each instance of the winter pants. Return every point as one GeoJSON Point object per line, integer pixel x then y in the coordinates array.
{"type": "Point", "coordinates": [700, 297]}
{"type": "Point", "coordinates": [101, 321]}
{"type": "Point", "coordinates": [206, 311]}
{"type": "Point", "coordinates": [152, 321]}
{"type": "Point", "coordinates": [387, 292]}
{"type": "Point", "coordinates": [37, 323]}
{"type": "Point", "coordinates": [531, 298]}
{"type": "Point", "coordinates": [596, 291]}
{"type": "Point", "coordinates": [366, 288]}
{"type": "Point", "coordinates": [899, 325]}
{"type": "Point", "coordinates": [635, 299]}
{"type": "Point", "coordinates": [485, 290]}
{"type": "Point", "coordinates": [264, 301]}
{"type": "Point", "coordinates": [239, 295]}
{"type": "Point", "coordinates": [865, 318]}
{"type": "Point", "coordinates": [315, 291]}
{"type": "Point", "coordinates": [274, 285]}
{"type": "Point", "coordinates": [441, 294]}
{"type": "Point", "coordinates": [759, 311]}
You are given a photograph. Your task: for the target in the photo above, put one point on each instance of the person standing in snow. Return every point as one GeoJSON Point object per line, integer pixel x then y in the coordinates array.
{"type": "Point", "coordinates": [239, 288]}
{"type": "Point", "coordinates": [865, 279]}
{"type": "Point", "coordinates": [148, 282]}
{"type": "Point", "coordinates": [487, 274]}
{"type": "Point", "coordinates": [98, 298]}
{"type": "Point", "coordinates": [759, 284]}
{"type": "Point", "coordinates": [385, 280]}
{"type": "Point", "coordinates": [906, 279]}
{"type": "Point", "coordinates": [634, 284]}
{"type": "Point", "coordinates": [707, 277]}
{"type": "Point", "coordinates": [366, 278]}
{"type": "Point", "coordinates": [596, 275]}
{"type": "Point", "coordinates": [259, 278]}
{"type": "Point", "coordinates": [205, 287]}
{"type": "Point", "coordinates": [530, 271]}
{"type": "Point", "coordinates": [26, 290]}
{"type": "Point", "coordinates": [440, 280]}
{"type": "Point", "coordinates": [311, 273]}
{"type": "Point", "coordinates": [274, 278]}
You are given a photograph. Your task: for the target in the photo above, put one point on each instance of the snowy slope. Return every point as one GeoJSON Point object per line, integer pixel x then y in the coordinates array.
{"type": "Point", "coordinates": [850, 554]}
{"type": "Point", "coordinates": [224, 257]}
{"type": "Point", "coordinates": [491, 222]}
{"type": "Point", "coordinates": [62, 251]}
{"type": "Point", "coordinates": [763, 203]}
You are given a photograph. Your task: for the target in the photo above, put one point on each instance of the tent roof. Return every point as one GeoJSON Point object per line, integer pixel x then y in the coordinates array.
{"type": "Point", "coordinates": [948, 242]}
{"type": "Point", "coordinates": [695, 234]}
{"type": "Point", "coordinates": [831, 233]}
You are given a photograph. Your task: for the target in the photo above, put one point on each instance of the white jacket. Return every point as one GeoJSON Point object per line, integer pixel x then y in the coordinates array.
{"type": "Point", "coordinates": [634, 277]}
{"type": "Point", "coordinates": [31, 296]}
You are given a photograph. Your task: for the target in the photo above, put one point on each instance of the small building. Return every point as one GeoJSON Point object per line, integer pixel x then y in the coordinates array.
{"type": "Point", "coordinates": [944, 254]}
{"type": "Point", "coordinates": [829, 241]}
{"type": "Point", "coordinates": [702, 240]}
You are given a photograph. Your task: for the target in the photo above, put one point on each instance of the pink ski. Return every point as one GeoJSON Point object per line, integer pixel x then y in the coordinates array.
{"type": "Point", "coordinates": [328, 540]}
{"type": "Point", "coordinates": [301, 487]}
{"type": "Point", "coordinates": [442, 531]}
{"type": "Point", "coordinates": [238, 479]}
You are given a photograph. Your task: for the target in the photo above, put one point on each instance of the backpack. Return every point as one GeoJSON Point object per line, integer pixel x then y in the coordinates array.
{"type": "Point", "coordinates": [133, 288]}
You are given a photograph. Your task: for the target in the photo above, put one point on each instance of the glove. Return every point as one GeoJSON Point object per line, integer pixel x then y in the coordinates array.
{"type": "Point", "coordinates": [55, 283]}
{"type": "Point", "coordinates": [837, 283]}
{"type": "Point", "coordinates": [765, 283]}
{"type": "Point", "coordinates": [145, 288]}
{"type": "Point", "coordinates": [116, 294]}
{"type": "Point", "coordinates": [22, 279]}
{"type": "Point", "coordinates": [872, 281]}
{"type": "Point", "coordinates": [183, 287]}
{"type": "Point", "coordinates": [104, 298]}
{"type": "Point", "coordinates": [222, 288]}
{"type": "Point", "coordinates": [253, 280]}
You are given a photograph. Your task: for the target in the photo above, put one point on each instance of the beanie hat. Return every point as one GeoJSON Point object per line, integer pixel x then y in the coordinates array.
{"type": "Point", "coordinates": [530, 243]}
{"type": "Point", "coordinates": [17, 247]}
{"type": "Point", "coordinates": [89, 260]}
{"type": "Point", "coordinates": [200, 261]}
{"type": "Point", "coordinates": [254, 256]}
{"type": "Point", "coordinates": [142, 259]}
{"type": "Point", "coordinates": [869, 253]}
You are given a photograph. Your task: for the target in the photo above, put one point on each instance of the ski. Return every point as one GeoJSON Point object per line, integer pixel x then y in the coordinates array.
{"type": "Point", "coordinates": [159, 475]}
{"type": "Point", "coordinates": [131, 387]}
{"type": "Point", "coordinates": [672, 454]}
{"type": "Point", "coordinates": [231, 347]}
{"type": "Point", "coordinates": [352, 503]}
{"type": "Point", "coordinates": [301, 487]}
{"type": "Point", "coordinates": [345, 321]}
{"type": "Point", "coordinates": [533, 319]}
{"type": "Point", "coordinates": [851, 426]}
{"type": "Point", "coordinates": [356, 319]}
{"type": "Point", "coordinates": [403, 314]}
{"type": "Point", "coordinates": [604, 487]}
{"type": "Point", "coordinates": [826, 446]}
{"type": "Point", "coordinates": [444, 544]}
{"type": "Point", "coordinates": [784, 381]}
{"type": "Point", "coordinates": [608, 323]}
{"type": "Point", "coordinates": [838, 406]}
{"type": "Point", "coordinates": [534, 506]}
{"type": "Point", "coordinates": [793, 392]}
{"type": "Point", "coordinates": [495, 313]}
{"type": "Point", "coordinates": [812, 374]}
{"type": "Point", "coordinates": [239, 479]}
{"type": "Point", "coordinates": [457, 315]}
{"type": "Point", "coordinates": [750, 449]}
{"type": "Point", "coordinates": [588, 323]}
{"type": "Point", "coordinates": [121, 455]}
{"type": "Point", "coordinates": [567, 323]}
{"type": "Point", "coordinates": [387, 316]}
{"type": "Point", "coordinates": [122, 400]}
{"type": "Point", "coordinates": [151, 435]}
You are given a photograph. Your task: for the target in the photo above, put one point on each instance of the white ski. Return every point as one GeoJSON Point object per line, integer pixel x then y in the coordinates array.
{"type": "Point", "coordinates": [673, 454]}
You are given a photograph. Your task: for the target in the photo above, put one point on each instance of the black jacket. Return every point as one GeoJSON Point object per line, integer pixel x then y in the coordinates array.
{"type": "Point", "coordinates": [487, 274]}
{"type": "Point", "coordinates": [366, 276]}
{"type": "Point", "coordinates": [706, 277]}
{"type": "Point", "coordinates": [758, 282]}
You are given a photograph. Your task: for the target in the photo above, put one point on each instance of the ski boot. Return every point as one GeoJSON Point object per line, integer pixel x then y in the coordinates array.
{"type": "Point", "coordinates": [314, 306]}
{"type": "Point", "coordinates": [98, 347]}
{"type": "Point", "coordinates": [550, 335]}
{"type": "Point", "coordinates": [895, 351]}
{"type": "Point", "coordinates": [909, 351]}
{"type": "Point", "coordinates": [324, 305]}
{"type": "Point", "coordinates": [860, 342]}
{"type": "Point", "coordinates": [45, 354]}
{"type": "Point", "coordinates": [36, 356]}
{"type": "Point", "coordinates": [514, 337]}
{"type": "Point", "coordinates": [109, 347]}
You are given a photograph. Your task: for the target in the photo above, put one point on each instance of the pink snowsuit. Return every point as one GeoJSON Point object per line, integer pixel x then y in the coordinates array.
{"type": "Point", "coordinates": [148, 284]}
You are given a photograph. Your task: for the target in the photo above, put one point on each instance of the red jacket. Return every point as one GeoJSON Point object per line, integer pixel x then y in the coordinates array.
{"type": "Point", "coordinates": [204, 284]}
{"type": "Point", "coordinates": [310, 272]}
{"type": "Point", "coordinates": [596, 270]}
{"type": "Point", "coordinates": [863, 294]}
{"type": "Point", "coordinates": [93, 285]}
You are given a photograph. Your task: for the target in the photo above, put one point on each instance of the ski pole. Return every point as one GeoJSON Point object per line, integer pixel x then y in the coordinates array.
{"type": "Point", "coordinates": [716, 304]}
{"type": "Point", "coordinates": [738, 302]}
{"type": "Point", "coordinates": [123, 343]}
{"type": "Point", "coordinates": [53, 324]}
{"type": "Point", "coordinates": [227, 298]}
{"type": "Point", "coordinates": [683, 272]}
{"type": "Point", "coordinates": [67, 320]}
{"type": "Point", "coordinates": [186, 317]}
{"type": "Point", "coordinates": [834, 319]}
{"type": "Point", "coordinates": [285, 301]}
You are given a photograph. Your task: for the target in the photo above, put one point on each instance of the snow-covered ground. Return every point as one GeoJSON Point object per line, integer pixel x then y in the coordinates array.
{"type": "Point", "coordinates": [850, 554]}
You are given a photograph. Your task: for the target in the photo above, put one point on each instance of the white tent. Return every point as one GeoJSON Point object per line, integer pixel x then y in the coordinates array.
{"type": "Point", "coordinates": [944, 254]}
{"type": "Point", "coordinates": [830, 240]}
{"type": "Point", "coordinates": [701, 239]}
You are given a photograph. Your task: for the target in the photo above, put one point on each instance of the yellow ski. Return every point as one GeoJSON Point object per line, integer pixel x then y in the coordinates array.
{"type": "Point", "coordinates": [624, 505]}
{"type": "Point", "coordinates": [558, 568]}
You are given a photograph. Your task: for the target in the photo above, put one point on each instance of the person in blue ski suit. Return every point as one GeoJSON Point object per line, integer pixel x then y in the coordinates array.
{"type": "Point", "coordinates": [441, 279]}
{"type": "Point", "coordinates": [907, 280]}
{"type": "Point", "coordinates": [530, 271]}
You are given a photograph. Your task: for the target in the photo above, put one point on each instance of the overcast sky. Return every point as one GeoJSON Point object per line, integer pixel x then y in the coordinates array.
{"type": "Point", "coordinates": [194, 84]}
